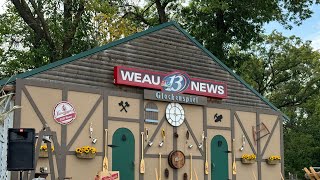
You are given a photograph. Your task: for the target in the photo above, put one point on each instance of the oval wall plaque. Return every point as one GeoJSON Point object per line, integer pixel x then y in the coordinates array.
{"type": "Point", "coordinates": [64, 113]}
{"type": "Point", "coordinates": [176, 159]}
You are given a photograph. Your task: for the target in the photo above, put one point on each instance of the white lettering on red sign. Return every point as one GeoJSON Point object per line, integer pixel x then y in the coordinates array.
{"type": "Point", "coordinates": [64, 113]}
{"type": "Point", "coordinates": [175, 82]}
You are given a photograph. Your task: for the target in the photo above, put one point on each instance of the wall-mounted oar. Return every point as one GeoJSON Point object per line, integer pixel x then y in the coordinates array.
{"type": "Point", "coordinates": [105, 163]}
{"type": "Point", "coordinates": [234, 166]}
{"type": "Point", "coordinates": [155, 169]}
{"type": "Point", "coordinates": [195, 173]}
{"type": "Point", "coordinates": [142, 165]}
{"type": "Point", "coordinates": [160, 166]}
{"type": "Point", "coordinates": [190, 166]}
{"type": "Point", "coordinates": [206, 164]}
{"type": "Point", "coordinates": [254, 176]}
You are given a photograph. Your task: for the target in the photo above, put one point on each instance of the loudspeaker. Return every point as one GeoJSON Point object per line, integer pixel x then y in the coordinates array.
{"type": "Point", "coordinates": [21, 146]}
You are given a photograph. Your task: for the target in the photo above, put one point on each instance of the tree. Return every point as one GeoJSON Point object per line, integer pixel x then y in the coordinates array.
{"type": "Point", "coordinates": [35, 33]}
{"type": "Point", "coordinates": [286, 70]}
{"type": "Point", "coordinates": [218, 24]}
{"type": "Point", "coordinates": [152, 12]}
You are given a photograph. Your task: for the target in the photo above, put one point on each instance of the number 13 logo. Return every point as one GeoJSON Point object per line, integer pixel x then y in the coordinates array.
{"type": "Point", "coordinates": [176, 82]}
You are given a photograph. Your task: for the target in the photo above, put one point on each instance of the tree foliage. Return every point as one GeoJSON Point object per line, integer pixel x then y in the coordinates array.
{"type": "Point", "coordinates": [219, 23]}
{"type": "Point", "coordinates": [286, 70]}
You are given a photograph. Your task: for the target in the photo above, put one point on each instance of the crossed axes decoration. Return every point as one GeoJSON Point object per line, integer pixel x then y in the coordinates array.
{"type": "Point", "coordinates": [124, 105]}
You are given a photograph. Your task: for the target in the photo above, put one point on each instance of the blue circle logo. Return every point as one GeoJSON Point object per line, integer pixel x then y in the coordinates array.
{"type": "Point", "coordinates": [175, 82]}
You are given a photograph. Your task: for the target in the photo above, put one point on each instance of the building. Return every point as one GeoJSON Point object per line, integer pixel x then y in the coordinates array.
{"type": "Point", "coordinates": [157, 93]}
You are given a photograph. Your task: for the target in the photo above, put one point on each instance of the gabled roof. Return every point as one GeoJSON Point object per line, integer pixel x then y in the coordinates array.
{"type": "Point", "coordinates": [129, 38]}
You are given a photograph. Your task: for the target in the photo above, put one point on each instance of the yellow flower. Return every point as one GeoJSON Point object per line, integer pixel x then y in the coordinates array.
{"type": "Point", "coordinates": [249, 156]}
{"type": "Point", "coordinates": [79, 151]}
{"type": "Point", "coordinates": [87, 151]}
{"type": "Point", "coordinates": [274, 158]}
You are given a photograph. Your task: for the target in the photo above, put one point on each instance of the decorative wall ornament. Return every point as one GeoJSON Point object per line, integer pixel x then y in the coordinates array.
{"type": "Point", "coordinates": [124, 105]}
{"type": "Point", "coordinates": [142, 164]}
{"type": "Point", "coordinates": [146, 134]}
{"type": "Point", "coordinates": [93, 140]}
{"type": "Point", "coordinates": [185, 176]}
{"type": "Point", "coordinates": [243, 142]}
{"type": "Point", "coordinates": [218, 118]}
{"type": "Point", "coordinates": [163, 134]}
{"type": "Point", "coordinates": [190, 166]}
{"type": "Point", "coordinates": [166, 173]}
{"type": "Point", "coordinates": [160, 158]}
{"type": "Point", "coordinates": [187, 141]}
{"type": "Point", "coordinates": [206, 164]}
{"type": "Point", "coordinates": [64, 113]}
{"type": "Point", "coordinates": [151, 113]}
{"type": "Point", "coordinates": [150, 143]}
{"type": "Point", "coordinates": [262, 129]}
{"type": "Point", "coordinates": [176, 135]}
{"type": "Point", "coordinates": [176, 159]}
{"type": "Point", "coordinates": [202, 141]}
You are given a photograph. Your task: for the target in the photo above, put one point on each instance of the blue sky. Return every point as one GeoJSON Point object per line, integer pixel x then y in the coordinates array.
{"type": "Point", "coordinates": [309, 30]}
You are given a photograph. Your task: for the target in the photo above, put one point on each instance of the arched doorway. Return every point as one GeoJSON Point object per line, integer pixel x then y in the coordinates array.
{"type": "Point", "coordinates": [219, 158]}
{"type": "Point", "coordinates": [123, 154]}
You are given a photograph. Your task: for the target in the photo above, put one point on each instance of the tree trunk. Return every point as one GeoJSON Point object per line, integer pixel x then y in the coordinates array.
{"type": "Point", "coordinates": [161, 12]}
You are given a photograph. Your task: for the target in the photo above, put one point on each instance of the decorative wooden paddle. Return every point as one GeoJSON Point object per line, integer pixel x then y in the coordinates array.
{"type": "Point", "coordinates": [155, 169]}
{"type": "Point", "coordinates": [159, 166]}
{"type": "Point", "coordinates": [206, 164]}
{"type": "Point", "coordinates": [105, 163]}
{"type": "Point", "coordinates": [142, 165]}
{"type": "Point", "coordinates": [281, 176]}
{"type": "Point", "coordinates": [234, 166]}
{"type": "Point", "coordinates": [254, 176]}
{"type": "Point", "coordinates": [190, 166]}
{"type": "Point", "coordinates": [195, 173]}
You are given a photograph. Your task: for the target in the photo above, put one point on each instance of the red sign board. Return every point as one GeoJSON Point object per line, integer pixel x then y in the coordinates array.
{"type": "Point", "coordinates": [175, 82]}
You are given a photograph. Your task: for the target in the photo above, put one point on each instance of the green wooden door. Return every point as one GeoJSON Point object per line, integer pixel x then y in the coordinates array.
{"type": "Point", "coordinates": [123, 155]}
{"type": "Point", "coordinates": [219, 158]}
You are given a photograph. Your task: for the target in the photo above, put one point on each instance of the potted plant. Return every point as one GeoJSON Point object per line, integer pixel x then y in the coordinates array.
{"type": "Point", "coordinates": [86, 152]}
{"type": "Point", "coordinates": [44, 151]}
{"type": "Point", "coordinates": [272, 160]}
{"type": "Point", "coordinates": [248, 158]}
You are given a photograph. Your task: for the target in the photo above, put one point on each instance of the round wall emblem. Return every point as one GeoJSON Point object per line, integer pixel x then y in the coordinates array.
{"type": "Point", "coordinates": [176, 159]}
{"type": "Point", "coordinates": [64, 113]}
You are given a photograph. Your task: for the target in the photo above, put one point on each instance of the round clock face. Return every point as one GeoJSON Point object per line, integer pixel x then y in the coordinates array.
{"type": "Point", "coordinates": [175, 114]}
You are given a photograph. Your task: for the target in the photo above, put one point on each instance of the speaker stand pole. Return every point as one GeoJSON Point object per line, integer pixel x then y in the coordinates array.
{"type": "Point", "coordinates": [21, 175]}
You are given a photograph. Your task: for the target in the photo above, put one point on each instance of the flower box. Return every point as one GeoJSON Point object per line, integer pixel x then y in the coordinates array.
{"type": "Point", "coordinates": [86, 155]}
{"type": "Point", "coordinates": [86, 152]}
{"type": "Point", "coordinates": [43, 154]}
{"type": "Point", "coordinates": [273, 162]}
{"type": "Point", "coordinates": [248, 161]}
